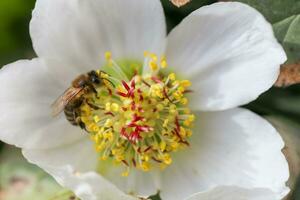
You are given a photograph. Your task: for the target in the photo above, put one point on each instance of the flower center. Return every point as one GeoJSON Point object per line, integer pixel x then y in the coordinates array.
{"type": "Point", "coordinates": [138, 121]}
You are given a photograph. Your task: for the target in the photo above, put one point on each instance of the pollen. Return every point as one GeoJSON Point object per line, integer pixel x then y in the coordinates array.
{"type": "Point", "coordinates": [138, 121]}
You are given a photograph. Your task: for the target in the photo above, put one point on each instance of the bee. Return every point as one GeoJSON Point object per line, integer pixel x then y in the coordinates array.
{"type": "Point", "coordinates": [72, 98]}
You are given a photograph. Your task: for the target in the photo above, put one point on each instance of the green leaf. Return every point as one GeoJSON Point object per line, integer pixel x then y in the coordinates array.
{"type": "Point", "coordinates": [275, 10]}
{"type": "Point", "coordinates": [288, 34]}
{"type": "Point", "coordinates": [289, 131]}
{"type": "Point", "coordinates": [14, 33]}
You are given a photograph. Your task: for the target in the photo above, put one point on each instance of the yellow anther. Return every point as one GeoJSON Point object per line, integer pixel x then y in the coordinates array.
{"type": "Point", "coordinates": [189, 133]}
{"type": "Point", "coordinates": [184, 101]}
{"type": "Point", "coordinates": [145, 158]}
{"type": "Point", "coordinates": [115, 107]}
{"type": "Point", "coordinates": [145, 166]}
{"type": "Point", "coordinates": [125, 173]}
{"type": "Point", "coordinates": [162, 145]}
{"type": "Point", "coordinates": [153, 65]}
{"type": "Point", "coordinates": [108, 56]}
{"type": "Point", "coordinates": [108, 123]}
{"type": "Point", "coordinates": [109, 136]}
{"type": "Point", "coordinates": [181, 89]}
{"type": "Point", "coordinates": [163, 62]}
{"type": "Point", "coordinates": [177, 95]}
{"type": "Point", "coordinates": [104, 157]}
{"type": "Point", "coordinates": [182, 132]}
{"type": "Point", "coordinates": [166, 123]}
{"type": "Point", "coordinates": [156, 91]}
{"type": "Point", "coordinates": [153, 57]}
{"type": "Point", "coordinates": [191, 118]}
{"type": "Point", "coordinates": [172, 77]}
{"type": "Point", "coordinates": [175, 83]}
{"type": "Point", "coordinates": [92, 127]}
{"type": "Point", "coordinates": [119, 157]}
{"type": "Point", "coordinates": [107, 106]}
{"type": "Point", "coordinates": [114, 151]}
{"type": "Point", "coordinates": [174, 145]}
{"type": "Point", "coordinates": [167, 159]}
{"type": "Point", "coordinates": [187, 122]}
{"type": "Point", "coordinates": [96, 118]}
{"type": "Point", "coordinates": [185, 83]}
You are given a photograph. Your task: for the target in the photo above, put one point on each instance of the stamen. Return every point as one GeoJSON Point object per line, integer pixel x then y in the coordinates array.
{"type": "Point", "coordinates": [140, 121]}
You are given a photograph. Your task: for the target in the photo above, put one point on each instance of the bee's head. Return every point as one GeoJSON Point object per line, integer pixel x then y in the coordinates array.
{"type": "Point", "coordinates": [94, 78]}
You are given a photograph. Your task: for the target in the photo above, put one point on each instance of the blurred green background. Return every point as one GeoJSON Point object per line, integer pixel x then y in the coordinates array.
{"type": "Point", "coordinates": [22, 181]}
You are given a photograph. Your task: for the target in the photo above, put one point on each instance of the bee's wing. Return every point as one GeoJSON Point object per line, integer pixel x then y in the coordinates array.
{"type": "Point", "coordinates": [60, 103]}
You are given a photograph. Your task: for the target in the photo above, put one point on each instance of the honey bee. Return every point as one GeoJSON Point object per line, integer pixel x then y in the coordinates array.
{"type": "Point", "coordinates": [72, 98]}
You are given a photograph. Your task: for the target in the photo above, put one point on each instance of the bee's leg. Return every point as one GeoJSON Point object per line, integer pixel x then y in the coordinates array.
{"type": "Point", "coordinates": [94, 106]}
{"type": "Point", "coordinates": [80, 123]}
{"type": "Point", "coordinates": [78, 119]}
{"type": "Point", "coordinates": [93, 89]}
{"type": "Point", "coordinates": [109, 82]}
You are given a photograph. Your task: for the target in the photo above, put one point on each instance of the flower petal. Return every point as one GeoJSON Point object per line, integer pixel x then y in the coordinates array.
{"type": "Point", "coordinates": [25, 101]}
{"type": "Point", "coordinates": [233, 147]}
{"type": "Point", "coordinates": [71, 166]}
{"type": "Point", "coordinates": [138, 182]}
{"type": "Point", "coordinates": [80, 32]}
{"type": "Point", "coordinates": [67, 162]}
{"type": "Point", "coordinates": [235, 193]}
{"type": "Point", "coordinates": [229, 52]}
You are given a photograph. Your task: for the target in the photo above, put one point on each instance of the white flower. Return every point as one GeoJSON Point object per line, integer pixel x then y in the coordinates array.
{"type": "Point", "coordinates": [227, 51]}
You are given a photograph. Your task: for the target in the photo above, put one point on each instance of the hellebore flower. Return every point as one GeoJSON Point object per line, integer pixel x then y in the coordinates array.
{"type": "Point", "coordinates": [156, 112]}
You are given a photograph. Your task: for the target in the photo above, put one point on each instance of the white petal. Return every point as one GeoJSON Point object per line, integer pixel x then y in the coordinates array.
{"type": "Point", "coordinates": [80, 32]}
{"type": "Point", "coordinates": [233, 147]}
{"type": "Point", "coordinates": [235, 193]}
{"type": "Point", "coordinates": [229, 52]}
{"type": "Point", "coordinates": [138, 182]}
{"type": "Point", "coordinates": [28, 91]}
{"type": "Point", "coordinates": [80, 158]}
{"type": "Point", "coordinates": [71, 165]}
